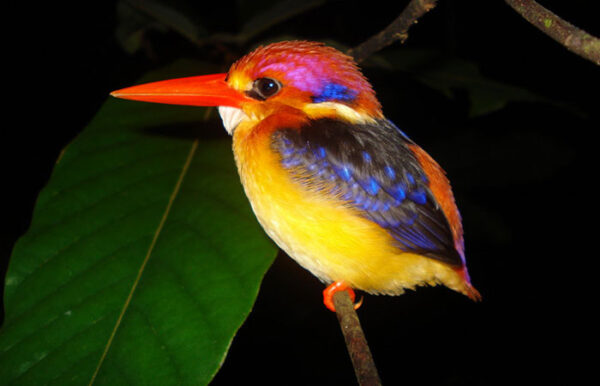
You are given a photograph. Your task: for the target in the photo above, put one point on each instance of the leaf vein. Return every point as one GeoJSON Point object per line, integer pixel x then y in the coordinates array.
{"type": "Point", "coordinates": [148, 254]}
{"type": "Point", "coordinates": [101, 260]}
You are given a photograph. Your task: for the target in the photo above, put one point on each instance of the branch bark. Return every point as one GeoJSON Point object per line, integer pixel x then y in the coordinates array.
{"type": "Point", "coordinates": [397, 30]}
{"type": "Point", "coordinates": [574, 39]}
{"type": "Point", "coordinates": [360, 354]}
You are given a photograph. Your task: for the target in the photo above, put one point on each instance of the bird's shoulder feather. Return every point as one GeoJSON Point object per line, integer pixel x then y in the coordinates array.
{"type": "Point", "coordinates": [371, 169]}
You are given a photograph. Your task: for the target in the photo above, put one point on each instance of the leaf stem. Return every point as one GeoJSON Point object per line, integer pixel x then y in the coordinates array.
{"type": "Point", "coordinates": [397, 30]}
{"type": "Point", "coordinates": [360, 354]}
{"type": "Point", "coordinates": [574, 39]}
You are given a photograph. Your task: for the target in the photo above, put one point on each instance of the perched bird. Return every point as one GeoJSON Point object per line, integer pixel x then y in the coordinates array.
{"type": "Point", "coordinates": [335, 184]}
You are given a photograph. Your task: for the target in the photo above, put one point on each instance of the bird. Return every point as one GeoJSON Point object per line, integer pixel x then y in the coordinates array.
{"type": "Point", "coordinates": [334, 183]}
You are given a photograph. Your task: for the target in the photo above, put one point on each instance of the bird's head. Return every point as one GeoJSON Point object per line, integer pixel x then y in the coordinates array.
{"type": "Point", "coordinates": [307, 77]}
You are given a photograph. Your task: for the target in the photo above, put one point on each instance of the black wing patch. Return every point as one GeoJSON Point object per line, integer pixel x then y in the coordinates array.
{"type": "Point", "coordinates": [371, 168]}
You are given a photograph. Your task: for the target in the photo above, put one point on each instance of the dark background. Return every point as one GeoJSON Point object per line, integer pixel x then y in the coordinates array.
{"type": "Point", "coordinates": [523, 177]}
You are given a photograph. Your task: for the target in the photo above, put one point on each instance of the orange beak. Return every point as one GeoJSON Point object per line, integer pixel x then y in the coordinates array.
{"type": "Point", "coordinates": [204, 90]}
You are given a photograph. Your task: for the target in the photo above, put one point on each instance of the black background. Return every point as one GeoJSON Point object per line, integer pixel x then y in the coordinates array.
{"type": "Point", "coordinates": [523, 178]}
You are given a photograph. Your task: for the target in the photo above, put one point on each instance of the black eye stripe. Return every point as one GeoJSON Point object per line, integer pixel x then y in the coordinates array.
{"type": "Point", "coordinates": [263, 88]}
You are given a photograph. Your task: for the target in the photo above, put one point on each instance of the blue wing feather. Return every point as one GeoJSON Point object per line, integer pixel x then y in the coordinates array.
{"type": "Point", "coordinates": [372, 169]}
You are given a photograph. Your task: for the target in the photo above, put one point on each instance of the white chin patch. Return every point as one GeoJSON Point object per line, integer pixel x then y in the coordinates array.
{"type": "Point", "coordinates": [231, 117]}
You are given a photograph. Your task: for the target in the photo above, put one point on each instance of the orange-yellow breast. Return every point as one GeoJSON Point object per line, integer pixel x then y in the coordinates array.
{"type": "Point", "coordinates": [324, 236]}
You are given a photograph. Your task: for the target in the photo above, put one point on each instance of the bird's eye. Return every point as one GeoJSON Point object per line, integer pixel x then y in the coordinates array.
{"type": "Point", "coordinates": [264, 88]}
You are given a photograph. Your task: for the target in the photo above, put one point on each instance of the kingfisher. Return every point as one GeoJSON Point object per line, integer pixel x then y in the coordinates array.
{"type": "Point", "coordinates": [334, 184]}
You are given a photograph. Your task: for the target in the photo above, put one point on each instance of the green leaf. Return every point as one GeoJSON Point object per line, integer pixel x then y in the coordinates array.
{"type": "Point", "coordinates": [275, 14]}
{"type": "Point", "coordinates": [143, 257]}
{"type": "Point", "coordinates": [260, 17]}
{"type": "Point", "coordinates": [447, 74]}
{"type": "Point", "coordinates": [136, 18]}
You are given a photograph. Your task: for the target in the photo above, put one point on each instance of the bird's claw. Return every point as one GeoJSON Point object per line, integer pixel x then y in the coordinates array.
{"type": "Point", "coordinates": [338, 286]}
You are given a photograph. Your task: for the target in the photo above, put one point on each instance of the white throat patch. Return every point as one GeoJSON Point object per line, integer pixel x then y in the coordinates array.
{"type": "Point", "coordinates": [231, 117]}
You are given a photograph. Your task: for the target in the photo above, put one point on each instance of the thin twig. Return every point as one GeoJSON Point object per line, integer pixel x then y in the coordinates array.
{"type": "Point", "coordinates": [574, 39]}
{"type": "Point", "coordinates": [397, 30]}
{"type": "Point", "coordinates": [362, 360]}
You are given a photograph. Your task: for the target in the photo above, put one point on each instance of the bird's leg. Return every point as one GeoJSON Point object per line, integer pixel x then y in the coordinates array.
{"type": "Point", "coordinates": [338, 286]}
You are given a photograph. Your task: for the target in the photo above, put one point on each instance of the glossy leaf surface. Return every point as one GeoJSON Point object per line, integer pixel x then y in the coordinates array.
{"type": "Point", "coordinates": [143, 257]}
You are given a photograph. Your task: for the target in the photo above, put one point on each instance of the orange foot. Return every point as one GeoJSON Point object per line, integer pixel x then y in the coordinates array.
{"type": "Point", "coordinates": [337, 287]}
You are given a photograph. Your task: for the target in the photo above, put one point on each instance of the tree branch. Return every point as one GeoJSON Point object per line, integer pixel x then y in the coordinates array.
{"type": "Point", "coordinates": [360, 354]}
{"type": "Point", "coordinates": [397, 30]}
{"type": "Point", "coordinates": [574, 39]}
